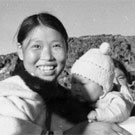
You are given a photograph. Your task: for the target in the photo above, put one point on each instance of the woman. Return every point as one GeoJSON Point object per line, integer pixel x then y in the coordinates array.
{"type": "Point", "coordinates": [42, 51]}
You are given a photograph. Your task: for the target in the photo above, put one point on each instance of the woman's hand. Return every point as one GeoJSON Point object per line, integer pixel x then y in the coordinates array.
{"type": "Point", "coordinates": [96, 128]}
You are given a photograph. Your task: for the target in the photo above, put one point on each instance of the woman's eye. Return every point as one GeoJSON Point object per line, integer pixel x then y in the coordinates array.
{"type": "Point", "coordinates": [36, 46]}
{"type": "Point", "coordinates": [57, 45]}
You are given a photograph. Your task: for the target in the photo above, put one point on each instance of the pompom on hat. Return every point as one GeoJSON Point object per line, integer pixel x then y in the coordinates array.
{"type": "Point", "coordinates": [97, 65]}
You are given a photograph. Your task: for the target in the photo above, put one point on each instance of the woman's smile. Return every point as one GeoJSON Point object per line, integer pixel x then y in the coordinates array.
{"type": "Point", "coordinates": [47, 69]}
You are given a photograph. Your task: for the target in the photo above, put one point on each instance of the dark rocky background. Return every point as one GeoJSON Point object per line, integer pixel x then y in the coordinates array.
{"type": "Point", "coordinates": [123, 49]}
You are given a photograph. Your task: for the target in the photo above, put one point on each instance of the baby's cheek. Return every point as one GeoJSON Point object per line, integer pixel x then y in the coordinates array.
{"type": "Point", "coordinates": [92, 96]}
{"type": "Point", "coordinates": [74, 89]}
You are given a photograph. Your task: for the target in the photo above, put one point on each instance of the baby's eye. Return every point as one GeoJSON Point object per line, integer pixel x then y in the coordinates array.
{"type": "Point", "coordinates": [83, 84]}
{"type": "Point", "coordinates": [73, 81]}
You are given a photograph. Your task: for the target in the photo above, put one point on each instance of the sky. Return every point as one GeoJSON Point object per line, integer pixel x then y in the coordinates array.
{"type": "Point", "coordinates": [80, 17]}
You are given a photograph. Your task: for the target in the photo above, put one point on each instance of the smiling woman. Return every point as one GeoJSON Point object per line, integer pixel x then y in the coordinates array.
{"type": "Point", "coordinates": [43, 53]}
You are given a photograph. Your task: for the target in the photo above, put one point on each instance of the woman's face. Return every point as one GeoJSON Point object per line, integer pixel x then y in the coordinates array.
{"type": "Point", "coordinates": [43, 53]}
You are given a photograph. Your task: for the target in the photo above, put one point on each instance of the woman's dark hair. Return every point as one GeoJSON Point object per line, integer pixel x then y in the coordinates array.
{"type": "Point", "coordinates": [45, 19]}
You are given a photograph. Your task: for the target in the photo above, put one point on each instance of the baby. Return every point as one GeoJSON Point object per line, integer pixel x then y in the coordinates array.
{"type": "Point", "coordinates": [92, 80]}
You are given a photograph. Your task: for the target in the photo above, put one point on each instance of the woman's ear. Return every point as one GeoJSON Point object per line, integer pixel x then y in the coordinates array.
{"type": "Point", "coordinates": [20, 51]}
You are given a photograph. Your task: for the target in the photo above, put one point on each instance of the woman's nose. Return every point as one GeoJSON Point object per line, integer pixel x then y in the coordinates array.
{"type": "Point", "coordinates": [46, 53]}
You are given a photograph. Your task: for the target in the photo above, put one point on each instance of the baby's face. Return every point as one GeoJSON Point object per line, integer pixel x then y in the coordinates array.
{"type": "Point", "coordinates": [85, 89]}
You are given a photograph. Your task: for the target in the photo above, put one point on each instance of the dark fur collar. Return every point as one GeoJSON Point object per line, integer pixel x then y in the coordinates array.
{"type": "Point", "coordinates": [47, 90]}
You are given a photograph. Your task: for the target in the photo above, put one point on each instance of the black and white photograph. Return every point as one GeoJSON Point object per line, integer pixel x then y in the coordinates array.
{"type": "Point", "coordinates": [67, 67]}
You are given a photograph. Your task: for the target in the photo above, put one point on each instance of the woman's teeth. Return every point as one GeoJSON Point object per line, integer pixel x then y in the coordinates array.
{"type": "Point", "coordinates": [46, 68]}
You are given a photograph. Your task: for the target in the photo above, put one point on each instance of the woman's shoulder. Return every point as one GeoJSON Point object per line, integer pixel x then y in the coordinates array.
{"type": "Point", "coordinates": [13, 79]}
{"type": "Point", "coordinates": [14, 82]}
{"type": "Point", "coordinates": [15, 86]}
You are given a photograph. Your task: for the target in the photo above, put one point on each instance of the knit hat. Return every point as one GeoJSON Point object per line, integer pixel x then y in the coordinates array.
{"type": "Point", "coordinates": [97, 65]}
